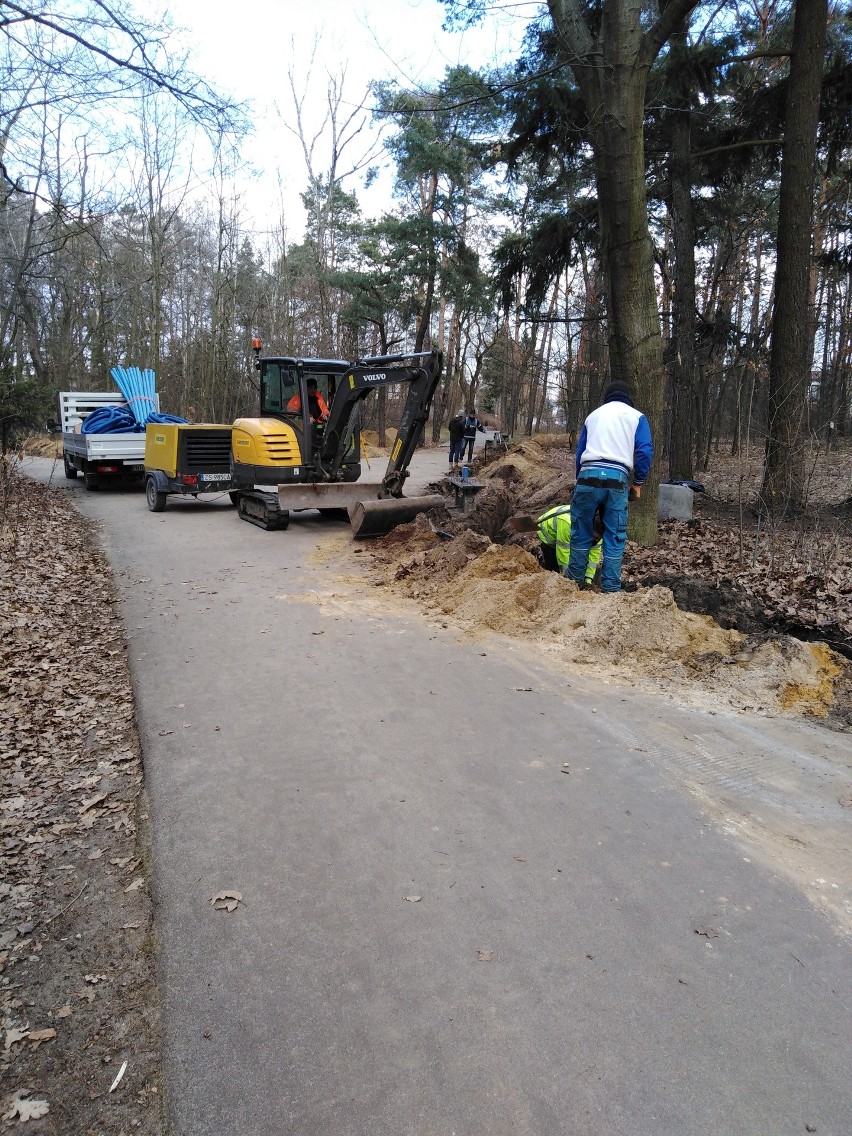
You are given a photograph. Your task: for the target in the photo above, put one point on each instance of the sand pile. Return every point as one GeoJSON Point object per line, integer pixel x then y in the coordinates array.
{"type": "Point", "coordinates": [639, 635]}
{"type": "Point", "coordinates": [536, 472]}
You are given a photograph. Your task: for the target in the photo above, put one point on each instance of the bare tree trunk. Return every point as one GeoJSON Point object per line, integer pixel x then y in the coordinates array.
{"type": "Point", "coordinates": [611, 69]}
{"type": "Point", "coordinates": [682, 363]}
{"type": "Point", "coordinates": [789, 371]}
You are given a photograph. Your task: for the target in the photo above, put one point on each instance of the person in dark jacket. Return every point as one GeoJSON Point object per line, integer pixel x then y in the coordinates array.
{"type": "Point", "coordinates": [614, 453]}
{"type": "Point", "coordinates": [456, 441]}
{"type": "Point", "coordinates": [471, 425]}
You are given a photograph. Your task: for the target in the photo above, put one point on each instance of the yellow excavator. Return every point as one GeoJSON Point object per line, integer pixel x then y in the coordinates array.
{"type": "Point", "coordinates": [307, 441]}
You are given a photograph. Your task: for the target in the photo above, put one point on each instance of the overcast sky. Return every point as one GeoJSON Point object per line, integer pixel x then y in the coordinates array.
{"type": "Point", "coordinates": [247, 49]}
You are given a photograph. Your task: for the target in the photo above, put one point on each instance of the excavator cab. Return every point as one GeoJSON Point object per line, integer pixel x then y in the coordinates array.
{"type": "Point", "coordinates": [280, 390]}
{"type": "Point", "coordinates": [282, 445]}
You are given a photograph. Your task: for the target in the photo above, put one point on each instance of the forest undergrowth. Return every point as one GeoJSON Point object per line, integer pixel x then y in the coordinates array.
{"type": "Point", "coordinates": [78, 1001]}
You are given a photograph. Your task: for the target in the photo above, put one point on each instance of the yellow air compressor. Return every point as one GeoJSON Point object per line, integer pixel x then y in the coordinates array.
{"type": "Point", "coordinates": [187, 458]}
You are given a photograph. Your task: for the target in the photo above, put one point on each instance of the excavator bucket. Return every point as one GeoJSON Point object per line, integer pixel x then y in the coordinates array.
{"type": "Point", "coordinates": [370, 513]}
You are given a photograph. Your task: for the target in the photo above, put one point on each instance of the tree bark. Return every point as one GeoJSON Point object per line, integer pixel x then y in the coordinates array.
{"type": "Point", "coordinates": [611, 70]}
{"type": "Point", "coordinates": [789, 370]}
{"type": "Point", "coordinates": [682, 364]}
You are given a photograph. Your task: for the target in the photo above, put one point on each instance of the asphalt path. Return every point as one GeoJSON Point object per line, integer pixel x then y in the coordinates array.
{"type": "Point", "coordinates": [445, 930]}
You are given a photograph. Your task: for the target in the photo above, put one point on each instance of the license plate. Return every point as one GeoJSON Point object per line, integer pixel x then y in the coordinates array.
{"type": "Point", "coordinates": [214, 477]}
{"type": "Point", "coordinates": [136, 468]}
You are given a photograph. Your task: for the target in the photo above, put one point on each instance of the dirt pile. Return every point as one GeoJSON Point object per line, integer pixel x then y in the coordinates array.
{"type": "Point", "coordinates": [640, 635]}
{"type": "Point", "coordinates": [536, 472]}
{"type": "Point", "coordinates": [43, 446]}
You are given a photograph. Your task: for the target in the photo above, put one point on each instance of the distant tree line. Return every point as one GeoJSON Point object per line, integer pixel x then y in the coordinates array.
{"type": "Point", "coordinates": [607, 206]}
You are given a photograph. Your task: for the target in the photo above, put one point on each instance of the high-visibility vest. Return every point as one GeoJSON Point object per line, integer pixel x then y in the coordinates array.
{"type": "Point", "coordinates": [554, 528]}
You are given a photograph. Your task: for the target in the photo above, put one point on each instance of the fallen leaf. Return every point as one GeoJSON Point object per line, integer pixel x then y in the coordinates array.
{"type": "Point", "coordinates": [38, 1036]}
{"type": "Point", "coordinates": [520, 859]}
{"type": "Point", "coordinates": [412, 898]}
{"type": "Point", "coordinates": [92, 801]}
{"type": "Point", "coordinates": [226, 900]}
{"type": "Point", "coordinates": [26, 1108]}
{"type": "Point", "coordinates": [708, 932]}
{"type": "Point", "coordinates": [118, 1077]}
{"type": "Point", "coordinates": [64, 1012]}
{"type": "Point", "coordinates": [136, 885]}
{"type": "Point", "coordinates": [484, 956]}
{"type": "Point", "coordinates": [13, 1036]}
{"type": "Point", "coordinates": [165, 733]}
{"type": "Point", "coordinates": [524, 689]}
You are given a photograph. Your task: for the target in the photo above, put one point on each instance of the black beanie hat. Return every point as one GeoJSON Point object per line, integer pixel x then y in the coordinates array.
{"type": "Point", "coordinates": [618, 390]}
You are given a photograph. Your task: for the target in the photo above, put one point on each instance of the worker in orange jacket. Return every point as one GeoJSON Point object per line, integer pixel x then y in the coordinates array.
{"type": "Point", "coordinates": [316, 403]}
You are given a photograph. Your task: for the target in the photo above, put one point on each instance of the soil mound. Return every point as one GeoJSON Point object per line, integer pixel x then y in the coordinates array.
{"type": "Point", "coordinates": [537, 472]}
{"type": "Point", "coordinates": [640, 635]}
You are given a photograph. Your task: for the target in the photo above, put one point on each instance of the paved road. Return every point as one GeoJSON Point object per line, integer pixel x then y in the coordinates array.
{"type": "Point", "coordinates": [332, 762]}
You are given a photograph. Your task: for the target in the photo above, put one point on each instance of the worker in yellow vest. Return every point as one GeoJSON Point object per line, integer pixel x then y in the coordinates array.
{"type": "Point", "coordinates": [553, 529]}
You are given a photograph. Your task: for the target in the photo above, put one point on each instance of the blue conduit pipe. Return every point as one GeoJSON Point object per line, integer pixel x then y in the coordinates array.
{"type": "Point", "coordinates": [139, 390]}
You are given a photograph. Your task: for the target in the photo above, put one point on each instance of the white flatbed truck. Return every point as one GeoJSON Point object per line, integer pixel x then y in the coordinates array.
{"type": "Point", "coordinates": [99, 458]}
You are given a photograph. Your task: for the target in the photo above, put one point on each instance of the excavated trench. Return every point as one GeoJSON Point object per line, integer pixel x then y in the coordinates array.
{"type": "Point", "coordinates": [711, 640]}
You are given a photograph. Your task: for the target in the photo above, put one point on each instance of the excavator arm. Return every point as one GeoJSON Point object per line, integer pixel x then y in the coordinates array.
{"type": "Point", "coordinates": [422, 373]}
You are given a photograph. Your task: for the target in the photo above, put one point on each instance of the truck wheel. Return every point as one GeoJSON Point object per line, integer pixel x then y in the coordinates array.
{"type": "Point", "coordinates": [235, 499]}
{"type": "Point", "coordinates": [156, 500]}
{"type": "Point", "coordinates": [70, 470]}
{"type": "Point", "coordinates": [90, 480]}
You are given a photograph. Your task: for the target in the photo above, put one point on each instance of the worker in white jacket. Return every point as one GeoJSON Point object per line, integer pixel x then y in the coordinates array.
{"type": "Point", "coordinates": [614, 453]}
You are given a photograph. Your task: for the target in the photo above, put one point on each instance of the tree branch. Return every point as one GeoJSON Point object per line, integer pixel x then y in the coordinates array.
{"type": "Point", "coordinates": [193, 96]}
{"type": "Point", "coordinates": [672, 15]}
{"type": "Point", "coordinates": [738, 146]}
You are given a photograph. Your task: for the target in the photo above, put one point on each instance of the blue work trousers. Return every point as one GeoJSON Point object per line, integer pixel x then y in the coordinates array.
{"type": "Point", "coordinates": [612, 505]}
{"type": "Point", "coordinates": [456, 451]}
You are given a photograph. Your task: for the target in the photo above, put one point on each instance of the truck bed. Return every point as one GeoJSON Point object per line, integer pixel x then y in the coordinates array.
{"type": "Point", "coordinates": [129, 449]}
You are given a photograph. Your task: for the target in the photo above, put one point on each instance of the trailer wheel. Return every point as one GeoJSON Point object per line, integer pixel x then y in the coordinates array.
{"type": "Point", "coordinates": [90, 480]}
{"type": "Point", "coordinates": [70, 469]}
{"type": "Point", "coordinates": [156, 500]}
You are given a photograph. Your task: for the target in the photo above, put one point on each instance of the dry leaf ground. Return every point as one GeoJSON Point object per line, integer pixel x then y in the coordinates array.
{"type": "Point", "coordinates": [76, 960]}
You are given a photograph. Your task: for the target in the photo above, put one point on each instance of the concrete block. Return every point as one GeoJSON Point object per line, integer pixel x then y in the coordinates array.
{"type": "Point", "coordinates": [675, 503]}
